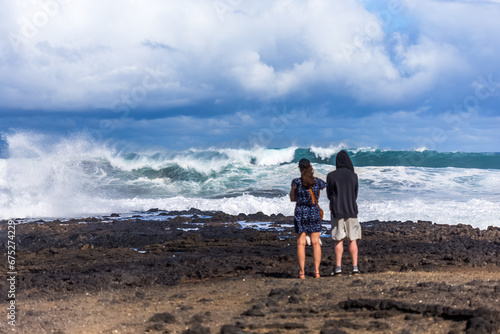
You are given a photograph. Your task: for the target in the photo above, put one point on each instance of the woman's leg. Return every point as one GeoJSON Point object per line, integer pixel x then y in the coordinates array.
{"type": "Point", "coordinates": [316, 251]}
{"type": "Point", "coordinates": [301, 252]}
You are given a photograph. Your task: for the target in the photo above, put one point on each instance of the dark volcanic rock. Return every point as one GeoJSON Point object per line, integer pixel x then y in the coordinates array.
{"type": "Point", "coordinates": [255, 311]}
{"type": "Point", "coordinates": [157, 327]}
{"type": "Point", "coordinates": [231, 329]}
{"type": "Point", "coordinates": [478, 321]}
{"type": "Point", "coordinates": [163, 317]}
{"type": "Point", "coordinates": [332, 331]}
{"type": "Point", "coordinates": [198, 329]}
{"type": "Point", "coordinates": [106, 255]}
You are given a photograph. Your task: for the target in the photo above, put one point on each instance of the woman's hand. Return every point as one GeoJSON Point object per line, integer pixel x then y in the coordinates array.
{"type": "Point", "coordinates": [292, 194]}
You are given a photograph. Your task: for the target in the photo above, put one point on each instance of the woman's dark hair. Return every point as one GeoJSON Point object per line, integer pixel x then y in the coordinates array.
{"type": "Point", "coordinates": [307, 173]}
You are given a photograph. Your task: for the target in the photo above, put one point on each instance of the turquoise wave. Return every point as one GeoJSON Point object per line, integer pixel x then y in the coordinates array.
{"type": "Point", "coordinates": [427, 158]}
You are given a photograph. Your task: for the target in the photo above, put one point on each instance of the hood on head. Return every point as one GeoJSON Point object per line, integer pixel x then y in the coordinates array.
{"type": "Point", "coordinates": [343, 161]}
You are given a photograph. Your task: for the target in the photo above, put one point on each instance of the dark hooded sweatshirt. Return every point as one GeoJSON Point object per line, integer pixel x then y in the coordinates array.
{"type": "Point", "coordinates": [342, 188]}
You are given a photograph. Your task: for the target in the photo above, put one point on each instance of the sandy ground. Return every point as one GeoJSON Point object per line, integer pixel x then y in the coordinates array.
{"type": "Point", "coordinates": [298, 306]}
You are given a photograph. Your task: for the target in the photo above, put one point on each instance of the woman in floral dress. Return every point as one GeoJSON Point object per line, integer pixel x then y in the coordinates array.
{"type": "Point", "coordinates": [307, 217]}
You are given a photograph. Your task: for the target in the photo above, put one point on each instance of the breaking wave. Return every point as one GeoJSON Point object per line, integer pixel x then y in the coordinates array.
{"type": "Point", "coordinates": [46, 176]}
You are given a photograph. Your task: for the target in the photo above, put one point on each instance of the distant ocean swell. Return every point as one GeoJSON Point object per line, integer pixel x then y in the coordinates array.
{"type": "Point", "coordinates": [43, 176]}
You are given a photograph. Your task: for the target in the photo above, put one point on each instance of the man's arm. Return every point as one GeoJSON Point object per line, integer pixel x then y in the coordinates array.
{"type": "Point", "coordinates": [329, 190]}
{"type": "Point", "coordinates": [356, 186]}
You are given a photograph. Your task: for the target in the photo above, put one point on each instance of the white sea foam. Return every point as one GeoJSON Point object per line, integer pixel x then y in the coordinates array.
{"type": "Point", "coordinates": [260, 156]}
{"type": "Point", "coordinates": [475, 212]}
{"type": "Point", "coordinates": [366, 149]}
{"type": "Point", "coordinates": [421, 149]}
{"type": "Point", "coordinates": [326, 153]}
{"type": "Point", "coordinates": [433, 183]}
{"type": "Point", "coordinates": [478, 213]}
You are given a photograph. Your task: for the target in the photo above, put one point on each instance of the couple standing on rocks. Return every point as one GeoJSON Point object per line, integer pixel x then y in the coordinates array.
{"type": "Point", "coordinates": [342, 191]}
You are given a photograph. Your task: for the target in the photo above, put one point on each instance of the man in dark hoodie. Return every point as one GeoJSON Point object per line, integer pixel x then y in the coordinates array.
{"type": "Point", "coordinates": [342, 191]}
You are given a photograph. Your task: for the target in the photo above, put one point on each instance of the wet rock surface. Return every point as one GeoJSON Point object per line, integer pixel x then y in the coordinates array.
{"type": "Point", "coordinates": [122, 262]}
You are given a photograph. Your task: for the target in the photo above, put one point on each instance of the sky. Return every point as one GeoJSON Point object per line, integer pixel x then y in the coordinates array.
{"type": "Point", "coordinates": [240, 73]}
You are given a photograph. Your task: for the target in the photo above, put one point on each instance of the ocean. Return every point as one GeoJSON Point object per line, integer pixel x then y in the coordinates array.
{"type": "Point", "coordinates": [43, 176]}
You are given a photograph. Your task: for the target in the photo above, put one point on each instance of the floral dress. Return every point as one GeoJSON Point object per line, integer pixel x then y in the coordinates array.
{"type": "Point", "coordinates": [307, 217]}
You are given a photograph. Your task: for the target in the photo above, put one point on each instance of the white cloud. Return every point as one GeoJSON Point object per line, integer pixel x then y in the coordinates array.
{"type": "Point", "coordinates": [469, 25]}
{"type": "Point", "coordinates": [82, 54]}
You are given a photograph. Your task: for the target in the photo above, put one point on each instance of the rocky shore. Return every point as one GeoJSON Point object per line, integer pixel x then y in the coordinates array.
{"type": "Point", "coordinates": [209, 272]}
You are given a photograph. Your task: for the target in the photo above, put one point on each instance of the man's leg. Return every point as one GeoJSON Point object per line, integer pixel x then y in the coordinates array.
{"type": "Point", "coordinates": [353, 234]}
{"type": "Point", "coordinates": [338, 236]}
{"type": "Point", "coordinates": [353, 249]}
{"type": "Point", "coordinates": [339, 250]}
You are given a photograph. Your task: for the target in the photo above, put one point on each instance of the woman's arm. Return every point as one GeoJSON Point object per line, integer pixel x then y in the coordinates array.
{"type": "Point", "coordinates": [322, 185]}
{"type": "Point", "coordinates": [292, 194]}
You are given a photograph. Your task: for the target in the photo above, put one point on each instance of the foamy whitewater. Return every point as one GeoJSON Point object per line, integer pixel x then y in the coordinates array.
{"type": "Point", "coordinates": [52, 177]}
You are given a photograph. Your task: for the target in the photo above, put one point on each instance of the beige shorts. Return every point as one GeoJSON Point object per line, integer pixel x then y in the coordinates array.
{"type": "Point", "coordinates": [345, 228]}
